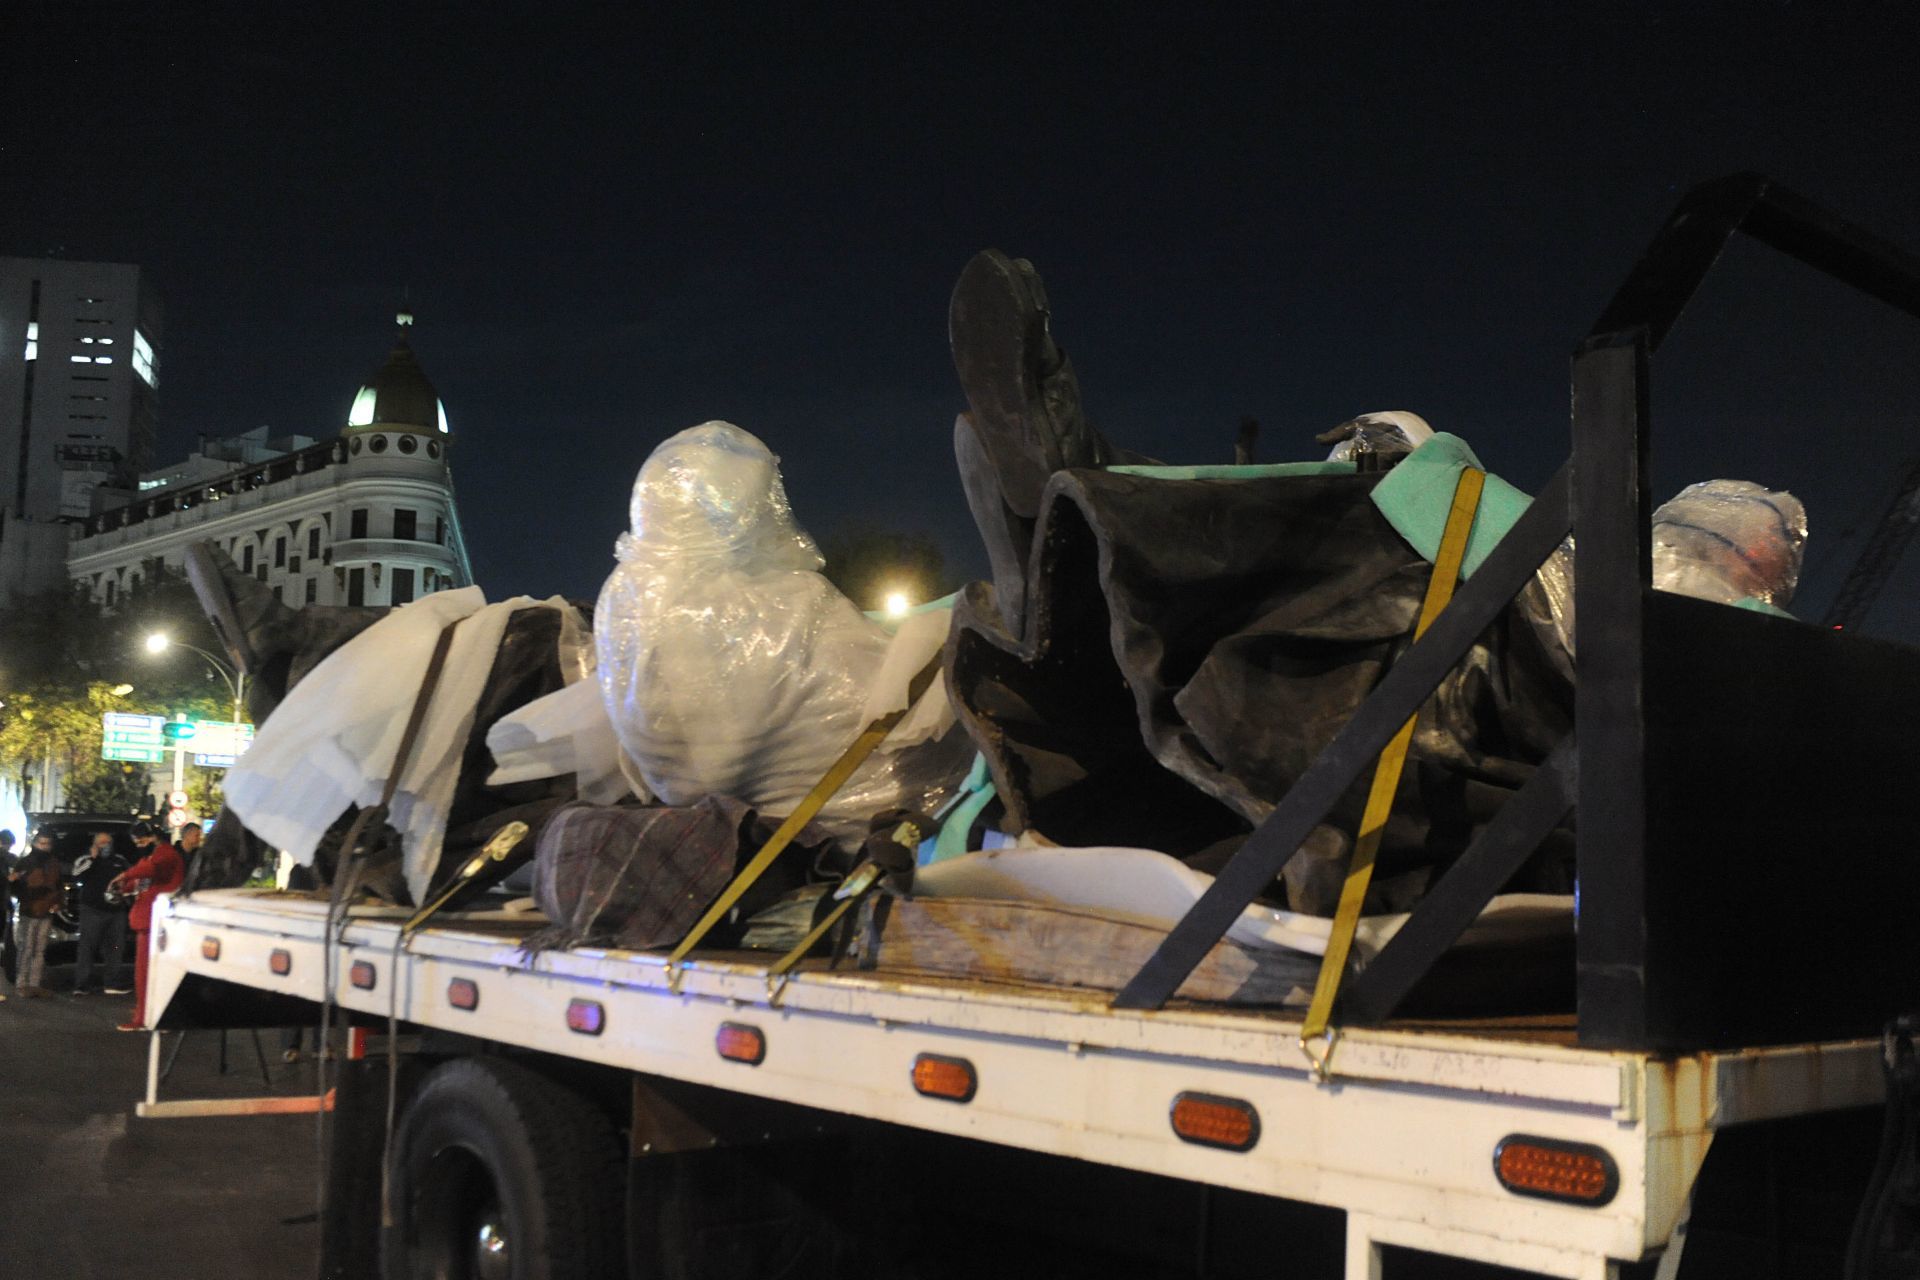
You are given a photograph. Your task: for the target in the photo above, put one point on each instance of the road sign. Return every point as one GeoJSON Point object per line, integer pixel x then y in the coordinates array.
{"type": "Point", "coordinates": [218, 743]}
{"type": "Point", "coordinates": [178, 799]}
{"type": "Point", "coordinates": [178, 817]}
{"type": "Point", "coordinates": [124, 736]}
{"type": "Point", "coordinates": [175, 730]}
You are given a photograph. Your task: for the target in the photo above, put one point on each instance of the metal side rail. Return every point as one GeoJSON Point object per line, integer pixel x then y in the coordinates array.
{"type": "Point", "coordinates": [1405, 1141]}
{"type": "Point", "coordinates": [154, 1107]}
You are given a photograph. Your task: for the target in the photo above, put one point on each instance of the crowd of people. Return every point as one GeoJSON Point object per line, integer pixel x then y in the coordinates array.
{"type": "Point", "coordinates": [111, 896]}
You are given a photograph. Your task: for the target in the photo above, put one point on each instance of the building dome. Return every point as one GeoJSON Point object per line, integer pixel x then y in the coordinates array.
{"type": "Point", "coordinates": [398, 397]}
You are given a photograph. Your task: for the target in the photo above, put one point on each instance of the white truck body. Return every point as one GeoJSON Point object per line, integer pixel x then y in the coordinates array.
{"type": "Point", "coordinates": [1402, 1138]}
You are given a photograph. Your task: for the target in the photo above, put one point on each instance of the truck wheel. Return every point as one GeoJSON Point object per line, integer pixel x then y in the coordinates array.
{"type": "Point", "coordinates": [501, 1174]}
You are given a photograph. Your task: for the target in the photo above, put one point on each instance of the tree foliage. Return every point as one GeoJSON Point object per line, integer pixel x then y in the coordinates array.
{"type": "Point", "coordinates": [62, 659]}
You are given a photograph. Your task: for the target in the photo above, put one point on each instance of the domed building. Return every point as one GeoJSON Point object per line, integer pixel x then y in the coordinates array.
{"type": "Point", "coordinates": [364, 517]}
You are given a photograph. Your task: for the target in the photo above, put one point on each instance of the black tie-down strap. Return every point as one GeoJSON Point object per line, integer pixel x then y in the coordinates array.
{"type": "Point", "coordinates": [1407, 685]}
{"type": "Point", "coordinates": [1886, 1235]}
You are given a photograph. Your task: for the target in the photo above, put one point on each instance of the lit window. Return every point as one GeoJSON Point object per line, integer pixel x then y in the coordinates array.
{"type": "Point", "coordinates": [362, 414]}
{"type": "Point", "coordinates": [144, 363]}
{"type": "Point", "coordinates": [105, 342]}
{"type": "Point", "coordinates": [81, 359]}
{"type": "Point", "coordinates": [443, 416]}
{"type": "Point", "coordinates": [33, 340]}
{"type": "Point", "coordinates": [86, 339]}
{"type": "Point", "coordinates": [101, 359]}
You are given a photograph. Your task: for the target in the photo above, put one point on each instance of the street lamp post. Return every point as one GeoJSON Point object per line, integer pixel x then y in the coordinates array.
{"type": "Point", "coordinates": [160, 642]}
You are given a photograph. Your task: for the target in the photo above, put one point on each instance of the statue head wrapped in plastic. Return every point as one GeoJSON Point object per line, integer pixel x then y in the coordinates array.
{"type": "Point", "coordinates": [730, 666]}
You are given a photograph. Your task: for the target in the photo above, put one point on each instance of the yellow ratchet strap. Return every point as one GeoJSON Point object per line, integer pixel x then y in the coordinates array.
{"type": "Point", "coordinates": [1386, 780]}
{"type": "Point", "coordinates": [810, 805]}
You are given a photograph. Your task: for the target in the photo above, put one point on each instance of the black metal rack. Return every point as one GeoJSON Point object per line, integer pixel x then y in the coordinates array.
{"type": "Point", "coordinates": [1748, 867]}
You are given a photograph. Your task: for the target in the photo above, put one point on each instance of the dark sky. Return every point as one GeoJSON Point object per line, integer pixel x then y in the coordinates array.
{"type": "Point", "coordinates": [613, 225]}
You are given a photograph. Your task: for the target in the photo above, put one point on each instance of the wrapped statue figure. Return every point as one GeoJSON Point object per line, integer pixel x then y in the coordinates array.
{"type": "Point", "coordinates": [730, 666]}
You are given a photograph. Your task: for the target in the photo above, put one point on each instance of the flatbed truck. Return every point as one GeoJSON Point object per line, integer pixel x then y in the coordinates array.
{"type": "Point", "coordinates": [1709, 1104]}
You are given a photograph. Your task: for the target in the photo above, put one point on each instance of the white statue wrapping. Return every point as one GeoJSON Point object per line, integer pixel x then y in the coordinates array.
{"type": "Point", "coordinates": [730, 666]}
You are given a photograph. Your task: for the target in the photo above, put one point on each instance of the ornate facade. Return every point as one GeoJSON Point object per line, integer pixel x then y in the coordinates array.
{"type": "Point", "coordinates": [365, 518]}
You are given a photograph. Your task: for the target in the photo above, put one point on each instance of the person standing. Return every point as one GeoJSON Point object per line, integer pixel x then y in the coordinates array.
{"type": "Point", "coordinates": [7, 839]}
{"type": "Point", "coordinates": [188, 843]}
{"type": "Point", "coordinates": [158, 871]}
{"type": "Point", "coordinates": [103, 925]}
{"type": "Point", "coordinates": [36, 883]}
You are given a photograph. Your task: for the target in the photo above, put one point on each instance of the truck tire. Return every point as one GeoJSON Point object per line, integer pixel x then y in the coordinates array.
{"type": "Point", "coordinates": [501, 1174]}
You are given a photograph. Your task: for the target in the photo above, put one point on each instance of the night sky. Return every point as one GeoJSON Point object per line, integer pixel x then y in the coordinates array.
{"type": "Point", "coordinates": [613, 225]}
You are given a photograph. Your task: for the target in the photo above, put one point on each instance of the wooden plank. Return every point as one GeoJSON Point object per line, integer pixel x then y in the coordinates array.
{"type": "Point", "coordinates": [1063, 947]}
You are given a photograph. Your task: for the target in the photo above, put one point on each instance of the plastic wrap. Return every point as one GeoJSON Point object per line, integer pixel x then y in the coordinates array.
{"type": "Point", "coordinates": [1390, 432]}
{"type": "Point", "coordinates": [730, 666]}
{"type": "Point", "coordinates": [1729, 541]}
{"type": "Point", "coordinates": [1723, 540]}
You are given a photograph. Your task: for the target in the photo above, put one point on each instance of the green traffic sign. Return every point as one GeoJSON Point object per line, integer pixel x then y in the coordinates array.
{"type": "Point", "coordinates": [135, 738]}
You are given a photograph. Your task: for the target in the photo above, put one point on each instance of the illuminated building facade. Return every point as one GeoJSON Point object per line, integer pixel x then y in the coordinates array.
{"type": "Point", "coordinates": [365, 517]}
{"type": "Point", "coordinates": [80, 346]}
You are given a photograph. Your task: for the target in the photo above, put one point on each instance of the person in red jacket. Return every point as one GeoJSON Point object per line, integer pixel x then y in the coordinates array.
{"type": "Point", "coordinates": [159, 870]}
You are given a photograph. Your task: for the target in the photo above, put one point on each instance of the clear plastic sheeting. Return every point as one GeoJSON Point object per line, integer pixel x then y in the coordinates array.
{"type": "Point", "coordinates": [730, 666]}
{"type": "Point", "coordinates": [1389, 432]}
{"type": "Point", "coordinates": [1730, 541]}
{"type": "Point", "coordinates": [564, 732]}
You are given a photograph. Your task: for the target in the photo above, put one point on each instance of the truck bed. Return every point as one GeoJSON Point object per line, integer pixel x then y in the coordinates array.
{"type": "Point", "coordinates": [1402, 1138]}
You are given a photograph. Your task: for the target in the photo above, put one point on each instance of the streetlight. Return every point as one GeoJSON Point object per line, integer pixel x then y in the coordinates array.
{"type": "Point", "coordinates": [160, 642]}
{"type": "Point", "coordinates": [897, 605]}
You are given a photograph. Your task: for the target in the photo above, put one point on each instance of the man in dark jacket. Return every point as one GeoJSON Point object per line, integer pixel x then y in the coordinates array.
{"type": "Point", "coordinates": [103, 924]}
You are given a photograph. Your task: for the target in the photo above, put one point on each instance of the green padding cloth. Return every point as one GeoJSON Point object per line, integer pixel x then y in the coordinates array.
{"type": "Point", "coordinates": [1416, 495]}
{"type": "Point", "coordinates": [1227, 471]}
{"type": "Point", "coordinates": [975, 794]}
{"type": "Point", "coordinates": [893, 624]}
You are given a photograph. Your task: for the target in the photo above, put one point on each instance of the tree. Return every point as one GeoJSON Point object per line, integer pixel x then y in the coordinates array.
{"type": "Point", "coordinates": [869, 564]}
{"type": "Point", "coordinates": [66, 657]}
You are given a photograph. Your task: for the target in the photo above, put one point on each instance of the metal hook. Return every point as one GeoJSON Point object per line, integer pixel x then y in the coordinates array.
{"type": "Point", "coordinates": [1321, 1066]}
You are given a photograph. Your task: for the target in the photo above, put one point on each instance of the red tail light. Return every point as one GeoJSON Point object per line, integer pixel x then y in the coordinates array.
{"type": "Point", "coordinates": [1212, 1121]}
{"type": "Point", "coordinates": [1573, 1172]}
{"type": "Point", "coordinates": [949, 1078]}
{"type": "Point", "coordinates": [738, 1042]}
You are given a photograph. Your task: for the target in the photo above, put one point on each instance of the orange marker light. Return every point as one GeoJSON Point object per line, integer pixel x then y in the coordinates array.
{"type": "Point", "coordinates": [588, 1017]}
{"type": "Point", "coordinates": [209, 948]}
{"type": "Point", "coordinates": [1573, 1172]}
{"type": "Point", "coordinates": [281, 961]}
{"type": "Point", "coordinates": [738, 1042]}
{"type": "Point", "coordinates": [1212, 1121]}
{"type": "Point", "coordinates": [463, 993]}
{"type": "Point", "coordinates": [363, 975]}
{"type": "Point", "coordinates": [949, 1078]}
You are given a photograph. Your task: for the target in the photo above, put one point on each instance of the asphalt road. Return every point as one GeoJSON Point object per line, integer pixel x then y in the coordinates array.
{"type": "Point", "coordinates": [89, 1192]}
